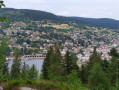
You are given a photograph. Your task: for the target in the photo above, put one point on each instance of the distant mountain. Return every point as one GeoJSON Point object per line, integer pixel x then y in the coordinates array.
{"type": "Point", "coordinates": [26, 15]}
{"type": "Point", "coordinates": [102, 22]}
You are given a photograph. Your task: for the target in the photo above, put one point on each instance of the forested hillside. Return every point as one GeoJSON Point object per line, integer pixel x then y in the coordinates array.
{"type": "Point", "coordinates": [27, 15]}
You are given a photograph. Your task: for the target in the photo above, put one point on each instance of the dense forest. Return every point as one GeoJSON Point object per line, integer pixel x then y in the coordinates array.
{"type": "Point", "coordinates": [28, 15]}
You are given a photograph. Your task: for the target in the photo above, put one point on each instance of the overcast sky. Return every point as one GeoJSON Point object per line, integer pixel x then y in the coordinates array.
{"type": "Point", "coordinates": [80, 8]}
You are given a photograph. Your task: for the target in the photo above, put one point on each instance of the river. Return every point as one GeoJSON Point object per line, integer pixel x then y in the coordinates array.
{"type": "Point", "coordinates": [37, 62]}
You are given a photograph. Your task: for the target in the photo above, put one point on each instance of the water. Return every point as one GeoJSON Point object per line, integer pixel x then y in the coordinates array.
{"type": "Point", "coordinates": [37, 62]}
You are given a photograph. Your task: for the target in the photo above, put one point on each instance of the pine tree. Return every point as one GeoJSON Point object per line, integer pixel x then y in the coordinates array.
{"type": "Point", "coordinates": [52, 66]}
{"type": "Point", "coordinates": [16, 67]}
{"type": "Point", "coordinates": [3, 64]}
{"type": "Point", "coordinates": [113, 52]}
{"type": "Point", "coordinates": [33, 73]}
{"type": "Point", "coordinates": [94, 58]}
{"type": "Point", "coordinates": [82, 74]}
{"type": "Point", "coordinates": [113, 70]}
{"type": "Point", "coordinates": [46, 63]}
{"type": "Point", "coordinates": [25, 69]}
{"type": "Point", "coordinates": [56, 61]}
{"type": "Point", "coordinates": [70, 63]}
{"type": "Point", "coordinates": [5, 69]}
{"type": "Point", "coordinates": [105, 65]}
{"type": "Point", "coordinates": [97, 78]}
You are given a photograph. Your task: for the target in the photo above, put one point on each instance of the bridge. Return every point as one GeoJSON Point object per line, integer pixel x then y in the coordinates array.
{"type": "Point", "coordinates": [37, 56]}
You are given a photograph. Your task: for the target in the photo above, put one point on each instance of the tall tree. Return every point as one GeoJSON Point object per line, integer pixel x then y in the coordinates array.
{"type": "Point", "coordinates": [113, 71]}
{"type": "Point", "coordinates": [33, 73]}
{"type": "Point", "coordinates": [52, 66]}
{"type": "Point", "coordinates": [24, 71]}
{"type": "Point", "coordinates": [97, 78]}
{"type": "Point", "coordinates": [113, 52]}
{"type": "Point", "coordinates": [5, 69]}
{"type": "Point", "coordinates": [105, 65]}
{"type": "Point", "coordinates": [46, 63]}
{"type": "Point", "coordinates": [56, 60]}
{"type": "Point", "coordinates": [16, 67]}
{"type": "Point", "coordinates": [3, 46]}
{"type": "Point", "coordinates": [95, 57]}
{"type": "Point", "coordinates": [70, 63]}
{"type": "Point", "coordinates": [82, 74]}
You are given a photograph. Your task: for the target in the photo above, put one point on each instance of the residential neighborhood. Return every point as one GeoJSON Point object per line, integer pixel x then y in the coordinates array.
{"type": "Point", "coordinates": [36, 38]}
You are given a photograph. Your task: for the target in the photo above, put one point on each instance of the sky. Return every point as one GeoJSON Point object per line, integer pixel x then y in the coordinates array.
{"type": "Point", "coordinates": [79, 8]}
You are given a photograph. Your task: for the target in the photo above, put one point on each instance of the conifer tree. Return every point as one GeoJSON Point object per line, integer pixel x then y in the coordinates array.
{"type": "Point", "coordinates": [52, 66]}
{"type": "Point", "coordinates": [46, 63]}
{"type": "Point", "coordinates": [82, 74]}
{"type": "Point", "coordinates": [113, 52]}
{"type": "Point", "coordinates": [25, 69]}
{"type": "Point", "coordinates": [5, 69]}
{"type": "Point", "coordinates": [3, 64]}
{"type": "Point", "coordinates": [97, 78]}
{"type": "Point", "coordinates": [105, 65]}
{"type": "Point", "coordinates": [113, 70]}
{"type": "Point", "coordinates": [70, 63]}
{"type": "Point", "coordinates": [94, 58]}
{"type": "Point", "coordinates": [33, 73]}
{"type": "Point", "coordinates": [16, 67]}
{"type": "Point", "coordinates": [56, 61]}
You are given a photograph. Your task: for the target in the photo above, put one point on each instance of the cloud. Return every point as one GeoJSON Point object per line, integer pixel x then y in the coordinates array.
{"type": "Point", "coordinates": [62, 13]}
{"type": "Point", "coordinates": [107, 9]}
{"type": "Point", "coordinates": [81, 8]}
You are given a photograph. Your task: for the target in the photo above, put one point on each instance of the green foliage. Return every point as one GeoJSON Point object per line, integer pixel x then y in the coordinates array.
{"type": "Point", "coordinates": [73, 80]}
{"type": "Point", "coordinates": [33, 73]}
{"type": "Point", "coordinates": [4, 73]}
{"type": "Point", "coordinates": [95, 57]}
{"type": "Point", "coordinates": [54, 68]}
{"type": "Point", "coordinates": [16, 67]}
{"type": "Point", "coordinates": [3, 46]}
{"type": "Point", "coordinates": [2, 19]}
{"type": "Point", "coordinates": [32, 15]}
{"type": "Point", "coordinates": [70, 63]}
{"type": "Point", "coordinates": [5, 70]}
{"type": "Point", "coordinates": [105, 65]}
{"type": "Point", "coordinates": [12, 84]}
{"type": "Point", "coordinates": [2, 4]}
{"type": "Point", "coordinates": [113, 70]}
{"type": "Point", "coordinates": [98, 79]}
{"type": "Point", "coordinates": [46, 63]}
{"type": "Point", "coordinates": [24, 71]}
{"type": "Point", "coordinates": [82, 74]}
{"type": "Point", "coordinates": [113, 52]}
